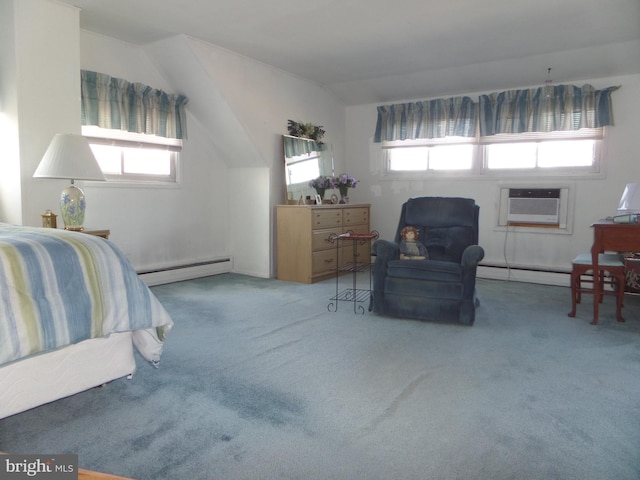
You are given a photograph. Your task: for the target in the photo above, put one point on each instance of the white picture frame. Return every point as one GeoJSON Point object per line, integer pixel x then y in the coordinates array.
{"type": "Point", "coordinates": [318, 200]}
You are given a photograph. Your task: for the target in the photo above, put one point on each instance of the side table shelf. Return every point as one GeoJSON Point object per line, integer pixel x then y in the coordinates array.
{"type": "Point", "coordinates": [353, 294]}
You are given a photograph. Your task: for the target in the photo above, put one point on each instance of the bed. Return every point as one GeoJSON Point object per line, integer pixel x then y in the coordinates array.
{"type": "Point", "coordinates": [72, 310]}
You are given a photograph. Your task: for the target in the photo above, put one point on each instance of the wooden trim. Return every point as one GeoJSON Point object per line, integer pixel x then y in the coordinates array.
{"type": "Point", "coordinates": [89, 475]}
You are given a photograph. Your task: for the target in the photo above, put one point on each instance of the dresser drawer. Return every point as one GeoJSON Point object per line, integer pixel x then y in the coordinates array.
{"type": "Point", "coordinates": [363, 255]}
{"type": "Point", "coordinates": [363, 252]}
{"type": "Point", "coordinates": [355, 216]}
{"type": "Point", "coordinates": [320, 238]}
{"type": "Point", "coordinates": [327, 218]}
{"type": "Point", "coordinates": [324, 261]}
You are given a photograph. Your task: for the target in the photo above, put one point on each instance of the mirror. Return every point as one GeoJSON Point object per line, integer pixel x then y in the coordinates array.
{"type": "Point", "coordinates": [304, 160]}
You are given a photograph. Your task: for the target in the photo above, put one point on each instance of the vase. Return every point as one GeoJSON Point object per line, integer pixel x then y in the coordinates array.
{"type": "Point", "coordinates": [320, 191]}
{"type": "Point", "coordinates": [344, 191]}
{"type": "Point", "coordinates": [72, 207]}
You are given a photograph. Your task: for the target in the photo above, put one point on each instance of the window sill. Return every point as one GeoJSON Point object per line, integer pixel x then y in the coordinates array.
{"type": "Point", "coordinates": [132, 184]}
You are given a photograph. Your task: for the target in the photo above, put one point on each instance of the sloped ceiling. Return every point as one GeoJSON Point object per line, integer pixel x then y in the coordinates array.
{"type": "Point", "coordinates": [232, 144]}
{"type": "Point", "coordinates": [368, 51]}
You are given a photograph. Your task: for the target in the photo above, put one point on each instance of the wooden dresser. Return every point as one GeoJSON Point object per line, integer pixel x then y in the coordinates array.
{"type": "Point", "coordinates": [305, 253]}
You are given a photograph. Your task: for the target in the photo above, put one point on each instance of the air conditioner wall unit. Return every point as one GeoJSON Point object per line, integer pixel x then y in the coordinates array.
{"type": "Point", "coordinates": [534, 206]}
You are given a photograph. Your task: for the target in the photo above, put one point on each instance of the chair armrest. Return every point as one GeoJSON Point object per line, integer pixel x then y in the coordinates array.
{"type": "Point", "coordinates": [472, 256]}
{"type": "Point", "coordinates": [386, 250]}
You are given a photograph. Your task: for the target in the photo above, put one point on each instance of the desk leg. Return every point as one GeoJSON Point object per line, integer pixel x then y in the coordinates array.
{"type": "Point", "coordinates": [596, 284]}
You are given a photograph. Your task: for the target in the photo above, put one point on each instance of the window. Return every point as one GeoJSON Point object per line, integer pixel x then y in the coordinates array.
{"type": "Point", "coordinates": [568, 152]}
{"type": "Point", "coordinates": [302, 168]}
{"type": "Point", "coordinates": [447, 154]}
{"type": "Point", "coordinates": [131, 157]}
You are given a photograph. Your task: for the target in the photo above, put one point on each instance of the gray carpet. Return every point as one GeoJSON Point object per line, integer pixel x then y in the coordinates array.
{"type": "Point", "coordinates": [260, 381]}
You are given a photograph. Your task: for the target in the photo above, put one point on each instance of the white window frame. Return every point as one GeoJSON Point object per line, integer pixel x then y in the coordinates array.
{"type": "Point", "coordinates": [389, 146]}
{"type": "Point", "coordinates": [596, 134]}
{"type": "Point", "coordinates": [479, 162]}
{"type": "Point", "coordinates": [121, 139]}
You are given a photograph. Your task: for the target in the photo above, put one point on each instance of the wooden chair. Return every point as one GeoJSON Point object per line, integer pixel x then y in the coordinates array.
{"type": "Point", "coordinates": [612, 274]}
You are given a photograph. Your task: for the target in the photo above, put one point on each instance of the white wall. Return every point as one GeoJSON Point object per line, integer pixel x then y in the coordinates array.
{"type": "Point", "coordinates": [232, 172]}
{"type": "Point", "coordinates": [260, 100]}
{"type": "Point", "coordinates": [40, 99]}
{"type": "Point", "coordinates": [10, 185]}
{"type": "Point", "coordinates": [595, 198]}
{"type": "Point", "coordinates": [160, 226]}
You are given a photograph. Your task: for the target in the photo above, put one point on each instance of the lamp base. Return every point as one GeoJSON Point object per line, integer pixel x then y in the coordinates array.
{"type": "Point", "coordinates": [72, 207]}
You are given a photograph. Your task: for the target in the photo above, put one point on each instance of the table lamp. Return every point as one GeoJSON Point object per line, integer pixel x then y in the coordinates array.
{"type": "Point", "coordinates": [69, 156]}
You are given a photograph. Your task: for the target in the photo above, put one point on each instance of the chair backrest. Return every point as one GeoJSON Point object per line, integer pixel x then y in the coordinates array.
{"type": "Point", "coordinates": [446, 225]}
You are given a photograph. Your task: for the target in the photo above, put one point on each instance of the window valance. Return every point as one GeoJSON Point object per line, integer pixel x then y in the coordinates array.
{"type": "Point", "coordinates": [114, 103]}
{"type": "Point", "coordinates": [543, 109]}
{"type": "Point", "coordinates": [293, 147]}
{"type": "Point", "coordinates": [443, 117]}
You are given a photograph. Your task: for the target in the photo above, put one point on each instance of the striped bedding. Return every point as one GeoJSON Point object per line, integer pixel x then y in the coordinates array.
{"type": "Point", "coordinates": [59, 288]}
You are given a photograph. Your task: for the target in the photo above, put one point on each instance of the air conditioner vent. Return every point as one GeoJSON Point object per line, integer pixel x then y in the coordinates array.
{"type": "Point", "coordinates": [534, 205]}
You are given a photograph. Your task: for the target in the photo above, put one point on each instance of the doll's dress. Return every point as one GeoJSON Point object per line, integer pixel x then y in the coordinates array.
{"type": "Point", "coordinates": [413, 249]}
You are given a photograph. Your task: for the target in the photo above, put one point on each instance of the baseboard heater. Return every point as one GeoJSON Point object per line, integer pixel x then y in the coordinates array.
{"type": "Point", "coordinates": [178, 273]}
{"type": "Point", "coordinates": [534, 206]}
{"type": "Point", "coordinates": [527, 274]}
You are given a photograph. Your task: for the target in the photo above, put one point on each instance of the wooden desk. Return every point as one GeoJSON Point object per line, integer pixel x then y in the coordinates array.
{"type": "Point", "coordinates": [612, 237]}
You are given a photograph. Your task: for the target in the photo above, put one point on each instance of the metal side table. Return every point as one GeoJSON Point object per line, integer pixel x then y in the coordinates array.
{"type": "Point", "coordinates": [355, 295]}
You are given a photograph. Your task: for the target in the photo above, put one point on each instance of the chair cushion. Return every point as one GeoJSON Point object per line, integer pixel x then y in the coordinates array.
{"type": "Point", "coordinates": [604, 260]}
{"type": "Point", "coordinates": [446, 243]}
{"type": "Point", "coordinates": [430, 270]}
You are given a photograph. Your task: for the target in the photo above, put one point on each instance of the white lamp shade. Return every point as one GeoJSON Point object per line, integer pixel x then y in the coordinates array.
{"type": "Point", "coordinates": [630, 200]}
{"type": "Point", "coordinates": [69, 156]}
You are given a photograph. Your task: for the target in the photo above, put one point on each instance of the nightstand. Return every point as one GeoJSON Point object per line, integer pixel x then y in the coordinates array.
{"type": "Point", "coordinates": [98, 233]}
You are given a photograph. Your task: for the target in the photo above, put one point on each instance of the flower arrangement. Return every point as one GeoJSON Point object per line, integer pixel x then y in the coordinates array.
{"type": "Point", "coordinates": [321, 184]}
{"type": "Point", "coordinates": [344, 180]}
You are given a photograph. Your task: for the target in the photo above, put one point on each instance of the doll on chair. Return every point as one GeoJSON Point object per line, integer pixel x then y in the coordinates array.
{"type": "Point", "coordinates": [410, 247]}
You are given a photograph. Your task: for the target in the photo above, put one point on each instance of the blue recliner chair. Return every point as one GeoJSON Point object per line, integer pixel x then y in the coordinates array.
{"type": "Point", "coordinates": [441, 288]}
